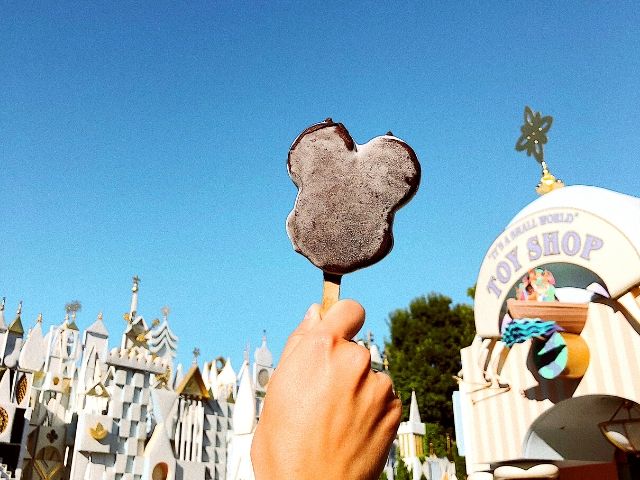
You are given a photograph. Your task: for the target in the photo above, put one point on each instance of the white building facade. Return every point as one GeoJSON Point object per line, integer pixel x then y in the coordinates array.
{"type": "Point", "coordinates": [72, 408]}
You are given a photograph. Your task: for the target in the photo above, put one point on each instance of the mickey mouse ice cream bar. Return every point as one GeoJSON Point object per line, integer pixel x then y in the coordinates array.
{"type": "Point", "coordinates": [347, 195]}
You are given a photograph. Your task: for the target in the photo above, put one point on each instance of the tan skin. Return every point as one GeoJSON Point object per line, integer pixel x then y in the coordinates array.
{"type": "Point", "coordinates": [326, 415]}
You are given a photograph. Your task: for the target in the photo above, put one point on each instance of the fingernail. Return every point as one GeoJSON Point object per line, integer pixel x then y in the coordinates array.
{"type": "Point", "coordinates": [308, 314]}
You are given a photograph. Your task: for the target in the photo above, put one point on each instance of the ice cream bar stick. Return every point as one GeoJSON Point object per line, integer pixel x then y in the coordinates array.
{"type": "Point", "coordinates": [330, 291]}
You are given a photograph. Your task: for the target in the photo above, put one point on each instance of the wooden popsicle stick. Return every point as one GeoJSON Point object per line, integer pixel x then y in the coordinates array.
{"type": "Point", "coordinates": [330, 291]}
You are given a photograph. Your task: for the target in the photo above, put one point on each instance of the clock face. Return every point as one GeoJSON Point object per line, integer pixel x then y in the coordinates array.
{"type": "Point", "coordinates": [263, 377]}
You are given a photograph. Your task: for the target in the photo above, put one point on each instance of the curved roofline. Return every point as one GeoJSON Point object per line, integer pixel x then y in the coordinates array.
{"type": "Point", "coordinates": [619, 209]}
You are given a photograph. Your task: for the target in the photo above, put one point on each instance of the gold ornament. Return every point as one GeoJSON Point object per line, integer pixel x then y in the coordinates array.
{"type": "Point", "coordinates": [548, 182]}
{"type": "Point", "coordinates": [98, 432]}
{"type": "Point", "coordinates": [533, 138]}
{"type": "Point", "coordinates": [4, 419]}
{"type": "Point", "coordinates": [21, 389]}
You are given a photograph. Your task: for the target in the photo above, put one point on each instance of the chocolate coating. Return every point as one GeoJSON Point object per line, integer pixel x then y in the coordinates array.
{"type": "Point", "coordinates": [347, 195]}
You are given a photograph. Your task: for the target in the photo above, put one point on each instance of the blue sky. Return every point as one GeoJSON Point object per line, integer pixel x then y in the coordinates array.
{"type": "Point", "coordinates": [152, 138]}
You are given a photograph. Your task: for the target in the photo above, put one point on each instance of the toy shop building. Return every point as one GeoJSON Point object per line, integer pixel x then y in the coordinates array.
{"type": "Point", "coordinates": [550, 386]}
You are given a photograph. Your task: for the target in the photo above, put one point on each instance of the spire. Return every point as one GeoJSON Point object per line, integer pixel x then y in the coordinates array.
{"type": "Point", "coordinates": [245, 354]}
{"type": "Point", "coordinates": [226, 381]}
{"type": "Point", "coordinates": [414, 425]}
{"type": "Point", "coordinates": [262, 355]}
{"type": "Point", "coordinates": [136, 334]}
{"type": "Point", "coordinates": [3, 326]}
{"type": "Point", "coordinates": [411, 433]}
{"type": "Point", "coordinates": [244, 411]}
{"type": "Point", "coordinates": [32, 353]}
{"type": "Point", "coordinates": [414, 414]}
{"type": "Point", "coordinates": [134, 298]}
{"type": "Point", "coordinates": [16, 325]}
{"type": "Point", "coordinates": [98, 327]}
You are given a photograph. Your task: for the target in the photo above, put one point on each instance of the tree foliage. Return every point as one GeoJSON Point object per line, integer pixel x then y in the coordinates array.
{"type": "Point", "coordinates": [424, 354]}
{"type": "Point", "coordinates": [402, 472]}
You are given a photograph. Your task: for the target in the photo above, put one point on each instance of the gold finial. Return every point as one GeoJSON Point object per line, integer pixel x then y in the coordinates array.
{"type": "Point", "coordinates": [533, 138]}
{"type": "Point", "coordinates": [100, 316]}
{"type": "Point", "coordinates": [385, 363]}
{"type": "Point", "coordinates": [39, 319]}
{"type": "Point", "coordinates": [127, 317]}
{"type": "Point", "coordinates": [165, 312]}
{"type": "Point", "coordinates": [548, 182]}
{"type": "Point", "coordinates": [155, 322]}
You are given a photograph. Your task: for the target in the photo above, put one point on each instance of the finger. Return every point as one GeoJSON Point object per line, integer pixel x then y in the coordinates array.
{"type": "Point", "coordinates": [385, 386]}
{"type": "Point", "coordinates": [344, 319]}
{"type": "Point", "coordinates": [310, 320]}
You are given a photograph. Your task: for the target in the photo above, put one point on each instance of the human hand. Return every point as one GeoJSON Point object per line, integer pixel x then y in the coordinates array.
{"type": "Point", "coordinates": [326, 414]}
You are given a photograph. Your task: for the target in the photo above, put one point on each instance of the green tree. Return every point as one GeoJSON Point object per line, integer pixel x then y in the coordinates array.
{"type": "Point", "coordinates": [402, 472]}
{"type": "Point", "coordinates": [471, 292]}
{"type": "Point", "coordinates": [383, 476]}
{"type": "Point", "coordinates": [424, 354]}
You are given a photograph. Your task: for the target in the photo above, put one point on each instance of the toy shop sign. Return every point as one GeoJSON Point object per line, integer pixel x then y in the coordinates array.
{"type": "Point", "coordinates": [550, 236]}
{"type": "Point", "coordinates": [546, 243]}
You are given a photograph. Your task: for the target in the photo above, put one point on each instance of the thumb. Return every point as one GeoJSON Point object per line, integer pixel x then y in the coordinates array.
{"type": "Point", "coordinates": [344, 319]}
{"type": "Point", "coordinates": [310, 320]}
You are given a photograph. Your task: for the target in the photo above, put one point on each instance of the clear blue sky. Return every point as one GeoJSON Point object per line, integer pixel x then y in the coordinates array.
{"type": "Point", "coordinates": [152, 138]}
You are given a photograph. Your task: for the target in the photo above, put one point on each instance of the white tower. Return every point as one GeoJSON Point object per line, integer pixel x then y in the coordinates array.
{"type": "Point", "coordinates": [262, 367]}
{"type": "Point", "coordinates": [244, 425]}
{"type": "Point", "coordinates": [410, 439]}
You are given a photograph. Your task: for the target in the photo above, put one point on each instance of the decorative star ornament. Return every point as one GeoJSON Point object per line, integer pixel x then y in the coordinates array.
{"type": "Point", "coordinates": [534, 134]}
{"type": "Point", "coordinates": [533, 138]}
